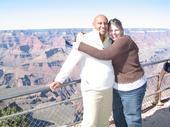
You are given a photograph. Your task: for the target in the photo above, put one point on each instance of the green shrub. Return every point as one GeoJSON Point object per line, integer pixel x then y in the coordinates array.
{"type": "Point", "coordinates": [16, 121]}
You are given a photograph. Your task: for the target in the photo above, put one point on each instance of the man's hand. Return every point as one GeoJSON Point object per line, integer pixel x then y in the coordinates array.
{"type": "Point", "coordinates": [54, 85]}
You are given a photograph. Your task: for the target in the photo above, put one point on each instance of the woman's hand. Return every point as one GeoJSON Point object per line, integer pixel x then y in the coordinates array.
{"type": "Point", "coordinates": [79, 39]}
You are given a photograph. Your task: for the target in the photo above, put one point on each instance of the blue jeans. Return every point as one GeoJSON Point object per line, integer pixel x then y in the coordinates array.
{"type": "Point", "coordinates": [127, 107]}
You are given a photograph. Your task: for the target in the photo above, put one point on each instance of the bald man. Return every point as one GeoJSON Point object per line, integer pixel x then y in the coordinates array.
{"type": "Point", "coordinates": [96, 76]}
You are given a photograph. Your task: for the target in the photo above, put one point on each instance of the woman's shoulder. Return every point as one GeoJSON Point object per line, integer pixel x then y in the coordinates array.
{"type": "Point", "coordinates": [125, 38]}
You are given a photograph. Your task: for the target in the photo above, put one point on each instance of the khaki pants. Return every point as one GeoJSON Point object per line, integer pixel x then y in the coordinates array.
{"type": "Point", "coordinates": [97, 108]}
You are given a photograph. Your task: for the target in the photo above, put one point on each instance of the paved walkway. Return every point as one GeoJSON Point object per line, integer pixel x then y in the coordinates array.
{"type": "Point", "coordinates": [159, 116]}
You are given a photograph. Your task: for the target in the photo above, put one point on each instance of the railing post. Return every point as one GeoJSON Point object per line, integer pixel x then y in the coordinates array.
{"type": "Point", "coordinates": [158, 96]}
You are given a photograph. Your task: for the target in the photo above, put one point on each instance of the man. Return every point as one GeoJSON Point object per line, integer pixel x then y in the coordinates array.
{"type": "Point", "coordinates": [96, 76]}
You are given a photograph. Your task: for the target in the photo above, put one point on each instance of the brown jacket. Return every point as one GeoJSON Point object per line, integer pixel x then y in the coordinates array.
{"type": "Point", "coordinates": [124, 55]}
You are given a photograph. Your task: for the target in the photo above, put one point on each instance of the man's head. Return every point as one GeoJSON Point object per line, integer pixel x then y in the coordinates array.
{"type": "Point", "coordinates": [100, 23]}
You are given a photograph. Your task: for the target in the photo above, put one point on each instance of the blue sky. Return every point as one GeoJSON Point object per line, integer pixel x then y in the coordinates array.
{"type": "Point", "coordinates": [42, 14]}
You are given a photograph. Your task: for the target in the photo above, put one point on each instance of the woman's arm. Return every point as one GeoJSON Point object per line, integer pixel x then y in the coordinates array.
{"type": "Point", "coordinates": [117, 48]}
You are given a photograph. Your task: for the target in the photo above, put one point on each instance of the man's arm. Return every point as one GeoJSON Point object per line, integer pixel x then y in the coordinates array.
{"type": "Point", "coordinates": [117, 48]}
{"type": "Point", "coordinates": [69, 64]}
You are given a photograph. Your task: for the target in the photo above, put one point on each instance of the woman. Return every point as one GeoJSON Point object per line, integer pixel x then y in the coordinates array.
{"type": "Point", "coordinates": [130, 87]}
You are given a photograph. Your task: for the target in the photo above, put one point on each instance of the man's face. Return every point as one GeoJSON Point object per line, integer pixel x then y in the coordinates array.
{"type": "Point", "coordinates": [101, 24]}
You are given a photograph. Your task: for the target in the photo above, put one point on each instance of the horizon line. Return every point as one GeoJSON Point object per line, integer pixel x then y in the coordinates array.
{"type": "Point", "coordinates": [80, 28]}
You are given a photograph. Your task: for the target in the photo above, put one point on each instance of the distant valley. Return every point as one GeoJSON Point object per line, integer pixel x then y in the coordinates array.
{"type": "Point", "coordinates": [34, 57]}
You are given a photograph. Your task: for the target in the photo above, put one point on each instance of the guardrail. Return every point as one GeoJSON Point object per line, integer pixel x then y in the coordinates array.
{"type": "Point", "coordinates": [26, 90]}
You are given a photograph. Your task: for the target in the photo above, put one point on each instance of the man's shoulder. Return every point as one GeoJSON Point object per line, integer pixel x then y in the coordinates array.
{"type": "Point", "coordinates": [89, 33]}
{"type": "Point", "coordinates": [89, 37]}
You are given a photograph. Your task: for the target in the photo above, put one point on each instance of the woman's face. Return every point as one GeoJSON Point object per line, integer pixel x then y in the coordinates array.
{"type": "Point", "coordinates": [114, 32]}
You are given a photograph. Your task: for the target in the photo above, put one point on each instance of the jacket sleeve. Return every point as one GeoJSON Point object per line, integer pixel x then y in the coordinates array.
{"type": "Point", "coordinates": [69, 64]}
{"type": "Point", "coordinates": [119, 47]}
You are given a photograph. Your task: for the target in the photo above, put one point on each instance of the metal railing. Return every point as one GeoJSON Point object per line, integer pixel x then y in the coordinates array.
{"type": "Point", "coordinates": [68, 111]}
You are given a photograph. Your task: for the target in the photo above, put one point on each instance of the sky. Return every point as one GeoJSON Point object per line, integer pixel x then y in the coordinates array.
{"type": "Point", "coordinates": [44, 14]}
